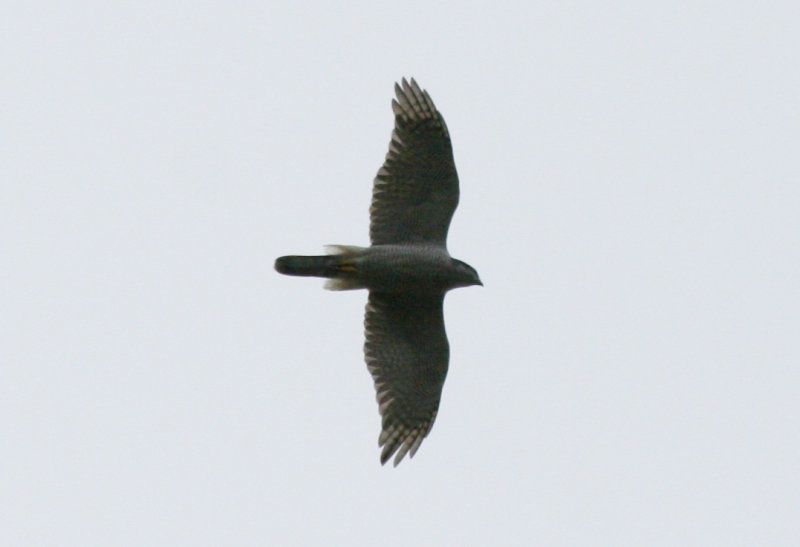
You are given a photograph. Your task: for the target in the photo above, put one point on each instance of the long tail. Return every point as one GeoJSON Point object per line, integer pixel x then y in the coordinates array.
{"type": "Point", "coordinates": [308, 266]}
{"type": "Point", "coordinates": [338, 267]}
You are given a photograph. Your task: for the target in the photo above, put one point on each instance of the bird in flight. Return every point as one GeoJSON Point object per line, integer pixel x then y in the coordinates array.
{"type": "Point", "coordinates": [407, 271]}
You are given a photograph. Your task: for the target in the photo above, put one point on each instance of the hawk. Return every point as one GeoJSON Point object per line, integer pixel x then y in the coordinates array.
{"type": "Point", "coordinates": [407, 271]}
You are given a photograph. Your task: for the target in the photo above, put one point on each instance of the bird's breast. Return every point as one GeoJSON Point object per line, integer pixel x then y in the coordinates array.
{"type": "Point", "coordinates": [396, 268]}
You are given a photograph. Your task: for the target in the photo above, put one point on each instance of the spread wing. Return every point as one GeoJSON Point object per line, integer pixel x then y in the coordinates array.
{"type": "Point", "coordinates": [407, 354]}
{"type": "Point", "coordinates": [416, 191]}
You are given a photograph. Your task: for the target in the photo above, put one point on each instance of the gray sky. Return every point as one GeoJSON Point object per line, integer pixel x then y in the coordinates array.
{"type": "Point", "coordinates": [629, 194]}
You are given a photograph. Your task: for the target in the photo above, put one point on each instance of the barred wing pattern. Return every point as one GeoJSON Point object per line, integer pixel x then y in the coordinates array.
{"type": "Point", "coordinates": [407, 353]}
{"type": "Point", "coordinates": [416, 191]}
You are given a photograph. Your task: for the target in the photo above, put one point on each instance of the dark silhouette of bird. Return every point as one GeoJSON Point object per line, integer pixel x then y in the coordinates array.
{"type": "Point", "coordinates": [407, 271]}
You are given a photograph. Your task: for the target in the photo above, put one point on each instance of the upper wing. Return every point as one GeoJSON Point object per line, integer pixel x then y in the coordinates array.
{"type": "Point", "coordinates": [416, 191]}
{"type": "Point", "coordinates": [407, 353]}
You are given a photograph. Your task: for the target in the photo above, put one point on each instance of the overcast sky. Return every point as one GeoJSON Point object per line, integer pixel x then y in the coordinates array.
{"type": "Point", "coordinates": [629, 374]}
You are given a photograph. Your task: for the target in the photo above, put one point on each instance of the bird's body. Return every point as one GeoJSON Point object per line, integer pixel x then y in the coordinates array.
{"type": "Point", "coordinates": [384, 268]}
{"type": "Point", "coordinates": [407, 270]}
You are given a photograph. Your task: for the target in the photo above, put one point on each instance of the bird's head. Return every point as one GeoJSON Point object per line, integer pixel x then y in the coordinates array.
{"type": "Point", "coordinates": [466, 274]}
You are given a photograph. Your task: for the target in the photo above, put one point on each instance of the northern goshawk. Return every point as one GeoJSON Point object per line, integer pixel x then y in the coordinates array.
{"type": "Point", "coordinates": [407, 271]}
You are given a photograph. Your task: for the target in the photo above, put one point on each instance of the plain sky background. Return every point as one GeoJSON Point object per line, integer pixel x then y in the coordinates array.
{"type": "Point", "coordinates": [630, 193]}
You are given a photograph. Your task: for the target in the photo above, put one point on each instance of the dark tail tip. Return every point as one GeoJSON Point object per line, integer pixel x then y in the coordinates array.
{"type": "Point", "coordinates": [283, 265]}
